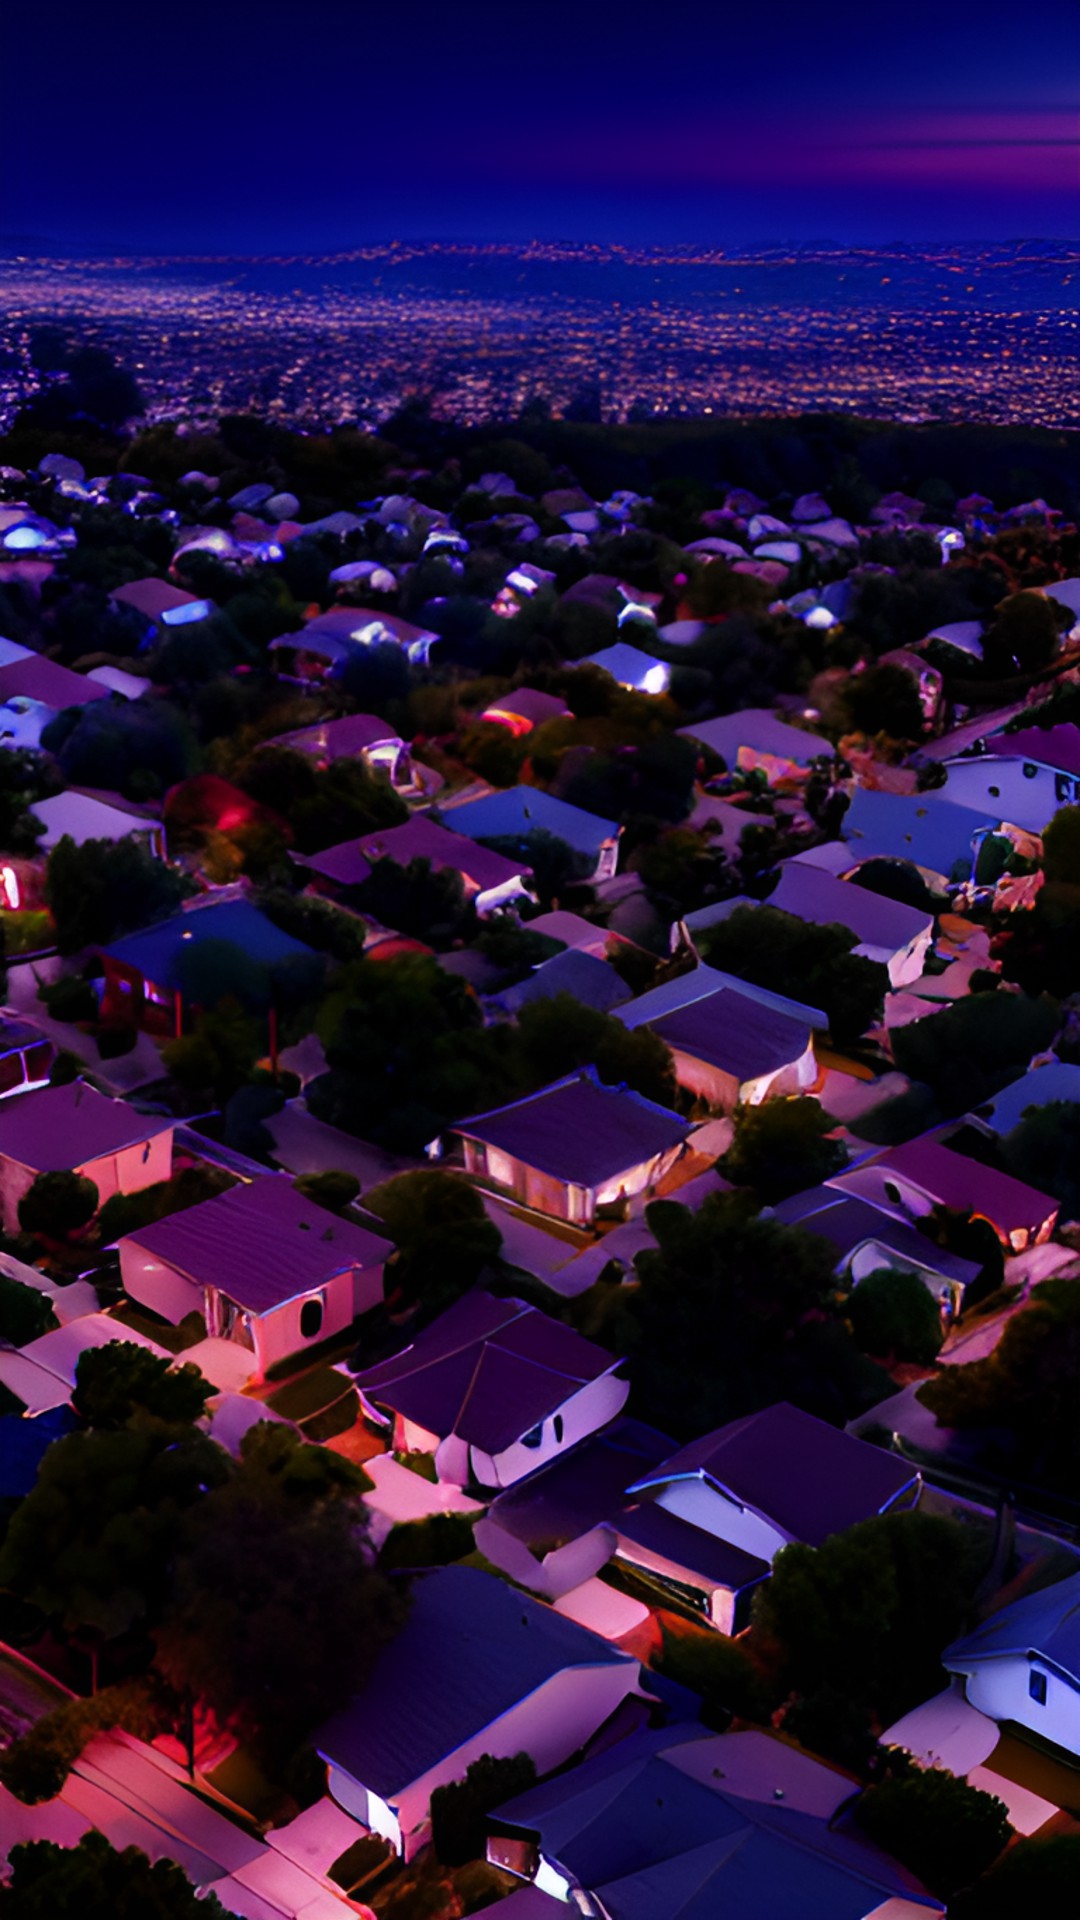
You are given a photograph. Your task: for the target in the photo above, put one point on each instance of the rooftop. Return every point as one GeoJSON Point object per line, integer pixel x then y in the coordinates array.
{"type": "Point", "coordinates": [53, 1129]}
{"type": "Point", "coordinates": [578, 1130]}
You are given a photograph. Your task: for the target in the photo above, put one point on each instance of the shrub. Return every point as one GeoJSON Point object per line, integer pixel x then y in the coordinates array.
{"type": "Point", "coordinates": [459, 1810]}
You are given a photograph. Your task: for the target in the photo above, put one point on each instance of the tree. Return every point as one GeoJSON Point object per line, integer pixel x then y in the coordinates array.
{"type": "Point", "coordinates": [57, 1205]}
{"type": "Point", "coordinates": [105, 888]}
{"type": "Point", "coordinates": [556, 1036]}
{"type": "Point", "coordinates": [116, 1383]}
{"type": "Point", "coordinates": [442, 1233]}
{"type": "Point", "coordinates": [867, 1613]}
{"type": "Point", "coordinates": [334, 1189]}
{"type": "Point", "coordinates": [1044, 1150]}
{"type": "Point", "coordinates": [895, 1317]}
{"type": "Point", "coordinates": [220, 1052]}
{"type": "Point", "coordinates": [276, 1613]}
{"type": "Point", "coordinates": [782, 1146]}
{"type": "Point", "coordinates": [24, 1312]}
{"type": "Point", "coordinates": [815, 965]}
{"type": "Point", "coordinates": [91, 1545]}
{"type": "Point", "coordinates": [459, 1810]}
{"type": "Point", "coordinates": [24, 778]}
{"type": "Point", "coordinates": [425, 902]}
{"type": "Point", "coordinates": [1061, 848]}
{"type": "Point", "coordinates": [974, 1047]}
{"type": "Point", "coordinates": [732, 1312]}
{"type": "Point", "coordinates": [1036, 1876]}
{"type": "Point", "coordinates": [1023, 636]}
{"type": "Point", "coordinates": [136, 747]}
{"type": "Point", "coordinates": [944, 1831]}
{"type": "Point", "coordinates": [93, 1881]}
{"type": "Point", "coordinates": [1022, 1396]}
{"type": "Point", "coordinates": [884, 699]}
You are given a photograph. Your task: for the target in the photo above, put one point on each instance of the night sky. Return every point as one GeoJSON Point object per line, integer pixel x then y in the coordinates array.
{"type": "Point", "coordinates": [256, 127]}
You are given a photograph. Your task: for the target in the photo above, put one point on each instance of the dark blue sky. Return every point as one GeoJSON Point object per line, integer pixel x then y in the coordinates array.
{"type": "Point", "coordinates": [259, 127]}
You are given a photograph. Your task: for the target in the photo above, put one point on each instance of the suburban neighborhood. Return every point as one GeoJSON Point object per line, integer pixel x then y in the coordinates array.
{"type": "Point", "coordinates": [539, 1184]}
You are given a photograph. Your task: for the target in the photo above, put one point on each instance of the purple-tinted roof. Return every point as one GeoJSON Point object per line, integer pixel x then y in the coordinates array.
{"type": "Point", "coordinates": [153, 597]}
{"type": "Point", "coordinates": [52, 1129]}
{"type": "Point", "coordinates": [818, 897]}
{"type": "Point", "coordinates": [968, 1185]}
{"type": "Point", "coordinates": [689, 1547]}
{"type": "Point", "coordinates": [582, 1488]}
{"type": "Point", "coordinates": [528, 703]}
{"type": "Point", "coordinates": [36, 678]}
{"type": "Point", "coordinates": [579, 1131]}
{"type": "Point", "coordinates": [730, 1031]}
{"type": "Point", "coordinates": [261, 1244]}
{"type": "Point", "coordinates": [339, 739]}
{"type": "Point", "coordinates": [808, 1477]}
{"type": "Point", "coordinates": [1057, 747]}
{"type": "Point", "coordinates": [423, 839]}
{"type": "Point", "coordinates": [487, 1370]}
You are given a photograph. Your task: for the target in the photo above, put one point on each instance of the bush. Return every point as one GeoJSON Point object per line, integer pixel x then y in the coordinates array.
{"type": "Point", "coordinates": [114, 1042]}
{"type": "Point", "coordinates": [721, 1671]}
{"type": "Point", "coordinates": [57, 1205]}
{"type": "Point", "coordinates": [894, 1316]}
{"type": "Point", "coordinates": [24, 1313]}
{"type": "Point", "coordinates": [459, 1811]}
{"type": "Point", "coordinates": [435, 1541]}
{"type": "Point", "coordinates": [70, 999]}
{"type": "Point", "coordinates": [35, 1767]}
{"type": "Point", "coordinates": [940, 1828]}
{"type": "Point", "coordinates": [335, 1190]}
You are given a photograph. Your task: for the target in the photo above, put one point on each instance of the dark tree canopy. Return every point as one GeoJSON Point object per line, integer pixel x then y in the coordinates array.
{"type": "Point", "coordinates": [974, 1047]}
{"type": "Point", "coordinates": [275, 1613]}
{"type": "Point", "coordinates": [116, 1383]}
{"type": "Point", "coordinates": [867, 1613]}
{"type": "Point", "coordinates": [93, 1881]}
{"type": "Point", "coordinates": [24, 1312]}
{"type": "Point", "coordinates": [733, 1312]}
{"type": "Point", "coordinates": [443, 1236]}
{"type": "Point", "coordinates": [944, 1831]}
{"type": "Point", "coordinates": [57, 1205]}
{"type": "Point", "coordinates": [1044, 1150]}
{"type": "Point", "coordinates": [1022, 1396]}
{"type": "Point", "coordinates": [895, 1317]}
{"type": "Point", "coordinates": [781, 1147]}
{"type": "Point", "coordinates": [105, 888]}
{"type": "Point", "coordinates": [816, 965]}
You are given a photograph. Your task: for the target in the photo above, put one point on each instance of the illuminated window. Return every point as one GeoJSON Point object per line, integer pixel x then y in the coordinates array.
{"type": "Point", "coordinates": [1037, 1686]}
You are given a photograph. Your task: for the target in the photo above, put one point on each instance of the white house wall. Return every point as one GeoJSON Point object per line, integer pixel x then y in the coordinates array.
{"type": "Point", "coordinates": [584, 1413]}
{"type": "Point", "coordinates": [550, 1725]}
{"type": "Point", "coordinates": [154, 1284]}
{"type": "Point", "coordinates": [557, 1572]}
{"type": "Point", "coordinates": [276, 1335]}
{"type": "Point", "coordinates": [704, 1506]}
{"type": "Point", "coordinates": [1000, 1689]}
{"type": "Point", "coordinates": [1000, 787]}
{"type": "Point", "coordinates": [133, 1168]}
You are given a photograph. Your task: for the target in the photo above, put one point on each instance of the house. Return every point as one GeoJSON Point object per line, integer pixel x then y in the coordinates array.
{"type": "Point", "coordinates": [1039, 1087]}
{"type": "Point", "coordinates": [78, 814]}
{"type": "Point", "coordinates": [574, 1148]}
{"type": "Point", "coordinates": [33, 691]}
{"type": "Point", "coordinates": [896, 936]}
{"type": "Point", "coordinates": [477, 1669]}
{"type": "Point", "coordinates": [1024, 777]}
{"type": "Point", "coordinates": [757, 737]}
{"type": "Point", "coordinates": [524, 709]}
{"type": "Point", "coordinates": [593, 982]}
{"type": "Point", "coordinates": [516, 812]}
{"type": "Point", "coordinates": [729, 1050]}
{"type": "Point", "coordinates": [491, 880]}
{"type": "Point", "coordinates": [1022, 1665]}
{"type": "Point", "coordinates": [161, 604]}
{"type": "Point", "coordinates": [72, 1128]}
{"type": "Point", "coordinates": [555, 1529]}
{"type": "Point", "coordinates": [152, 976]}
{"type": "Point", "coordinates": [314, 652]}
{"type": "Point", "coordinates": [702, 980]}
{"type": "Point", "coordinates": [493, 1389]}
{"type": "Point", "coordinates": [581, 934]}
{"type": "Point", "coordinates": [867, 1239]}
{"type": "Point", "coordinates": [934, 833]}
{"type": "Point", "coordinates": [262, 1264]}
{"type": "Point", "coordinates": [26, 1054]}
{"type": "Point", "coordinates": [641, 672]}
{"type": "Point", "coordinates": [926, 1173]}
{"type": "Point", "coordinates": [675, 1823]}
{"type": "Point", "coordinates": [755, 1485]}
{"type": "Point", "coordinates": [355, 736]}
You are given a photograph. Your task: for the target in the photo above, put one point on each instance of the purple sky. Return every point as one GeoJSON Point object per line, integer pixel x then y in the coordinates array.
{"type": "Point", "coordinates": [261, 127]}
